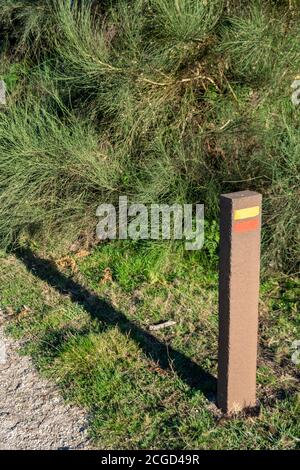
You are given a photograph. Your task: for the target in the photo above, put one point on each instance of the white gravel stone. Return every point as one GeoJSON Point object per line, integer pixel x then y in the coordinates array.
{"type": "Point", "coordinates": [2, 92]}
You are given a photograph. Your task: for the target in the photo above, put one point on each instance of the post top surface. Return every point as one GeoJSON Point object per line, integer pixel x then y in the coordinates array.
{"type": "Point", "coordinates": [241, 194]}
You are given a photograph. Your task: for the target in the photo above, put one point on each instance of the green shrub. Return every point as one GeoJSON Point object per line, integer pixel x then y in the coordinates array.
{"type": "Point", "coordinates": [161, 100]}
{"type": "Point", "coordinates": [27, 24]}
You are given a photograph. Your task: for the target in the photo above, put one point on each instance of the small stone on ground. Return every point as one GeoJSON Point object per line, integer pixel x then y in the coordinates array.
{"type": "Point", "coordinates": [2, 92]}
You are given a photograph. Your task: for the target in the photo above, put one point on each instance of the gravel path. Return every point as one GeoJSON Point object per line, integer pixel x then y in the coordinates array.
{"type": "Point", "coordinates": [33, 415]}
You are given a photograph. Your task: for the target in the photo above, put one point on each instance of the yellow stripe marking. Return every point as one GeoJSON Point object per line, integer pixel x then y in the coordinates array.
{"type": "Point", "coordinates": [240, 214]}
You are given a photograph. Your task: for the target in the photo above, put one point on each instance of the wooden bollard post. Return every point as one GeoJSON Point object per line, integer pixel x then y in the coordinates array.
{"type": "Point", "coordinates": [240, 226]}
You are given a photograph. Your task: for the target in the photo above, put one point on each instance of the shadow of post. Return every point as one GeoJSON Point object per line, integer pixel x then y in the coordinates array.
{"type": "Point", "coordinates": [167, 357]}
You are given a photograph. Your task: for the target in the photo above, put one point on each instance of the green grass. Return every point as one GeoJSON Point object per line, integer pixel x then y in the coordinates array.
{"type": "Point", "coordinates": [65, 169]}
{"type": "Point", "coordinates": [134, 401]}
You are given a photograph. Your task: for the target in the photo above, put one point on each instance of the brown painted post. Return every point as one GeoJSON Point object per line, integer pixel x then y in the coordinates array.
{"type": "Point", "coordinates": [238, 299]}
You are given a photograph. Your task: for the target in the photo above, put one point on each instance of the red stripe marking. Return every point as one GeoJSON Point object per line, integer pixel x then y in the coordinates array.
{"type": "Point", "coordinates": [246, 225]}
